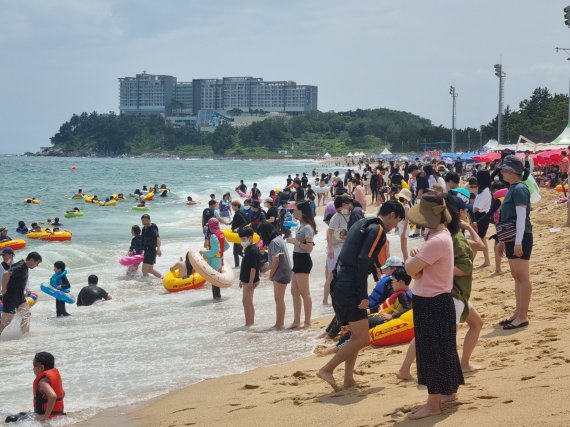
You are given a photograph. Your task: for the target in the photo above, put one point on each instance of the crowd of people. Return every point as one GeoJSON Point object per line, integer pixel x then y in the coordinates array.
{"type": "Point", "coordinates": [446, 206]}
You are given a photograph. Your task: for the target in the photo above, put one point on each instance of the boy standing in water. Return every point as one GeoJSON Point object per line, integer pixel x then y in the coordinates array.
{"type": "Point", "coordinates": [60, 281]}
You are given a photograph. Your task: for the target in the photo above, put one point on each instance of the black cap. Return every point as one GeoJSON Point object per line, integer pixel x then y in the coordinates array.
{"type": "Point", "coordinates": [7, 251]}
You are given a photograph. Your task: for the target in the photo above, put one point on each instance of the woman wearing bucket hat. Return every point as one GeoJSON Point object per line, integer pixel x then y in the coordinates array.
{"type": "Point", "coordinates": [434, 312]}
{"type": "Point", "coordinates": [516, 209]}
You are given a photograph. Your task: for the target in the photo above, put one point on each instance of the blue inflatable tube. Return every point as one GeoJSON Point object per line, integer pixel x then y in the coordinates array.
{"type": "Point", "coordinates": [61, 295]}
{"type": "Point", "coordinates": [290, 224]}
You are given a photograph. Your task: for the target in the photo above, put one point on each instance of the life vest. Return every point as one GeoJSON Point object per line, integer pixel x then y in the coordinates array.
{"type": "Point", "coordinates": [380, 290]}
{"type": "Point", "coordinates": [40, 401]}
{"type": "Point", "coordinates": [392, 303]}
{"type": "Point", "coordinates": [55, 279]}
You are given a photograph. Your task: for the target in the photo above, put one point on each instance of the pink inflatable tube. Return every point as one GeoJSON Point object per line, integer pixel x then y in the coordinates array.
{"type": "Point", "coordinates": [131, 259]}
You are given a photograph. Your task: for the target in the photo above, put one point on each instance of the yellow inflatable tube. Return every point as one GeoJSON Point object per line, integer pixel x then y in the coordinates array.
{"type": "Point", "coordinates": [394, 332]}
{"type": "Point", "coordinates": [32, 201]}
{"type": "Point", "coordinates": [232, 237]}
{"type": "Point", "coordinates": [109, 203]}
{"type": "Point", "coordinates": [37, 234]}
{"type": "Point", "coordinates": [173, 283]}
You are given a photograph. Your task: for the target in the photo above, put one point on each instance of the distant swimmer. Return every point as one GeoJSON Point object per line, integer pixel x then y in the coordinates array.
{"type": "Point", "coordinates": [22, 229]}
{"type": "Point", "coordinates": [190, 201]}
{"type": "Point", "coordinates": [79, 195]}
{"type": "Point", "coordinates": [4, 234]}
{"type": "Point", "coordinates": [56, 222]}
{"type": "Point", "coordinates": [92, 292]}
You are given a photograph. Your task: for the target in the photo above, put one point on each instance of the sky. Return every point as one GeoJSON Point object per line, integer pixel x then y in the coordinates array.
{"type": "Point", "coordinates": [61, 57]}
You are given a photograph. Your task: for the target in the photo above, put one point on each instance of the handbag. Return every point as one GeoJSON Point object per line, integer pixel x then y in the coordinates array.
{"type": "Point", "coordinates": [506, 231]}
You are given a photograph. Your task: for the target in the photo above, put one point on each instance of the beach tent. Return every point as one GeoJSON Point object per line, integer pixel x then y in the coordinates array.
{"type": "Point", "coordinates": [327, 156]}
{"type": "Point", "coordinates": [563, 140]}
{"type": "Point", "coordinates": [487, 157]}
{"type": "Point", "coordinates": [385, 153]}
{"type": "Point", "coordinates": [350, 155]}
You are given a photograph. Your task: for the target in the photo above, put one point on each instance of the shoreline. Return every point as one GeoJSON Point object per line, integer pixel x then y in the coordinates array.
{"type": "Point", "coordinates": [522, 367]}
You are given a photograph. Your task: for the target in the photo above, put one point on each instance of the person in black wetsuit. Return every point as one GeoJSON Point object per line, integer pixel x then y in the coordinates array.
{"type": "Point", "coordinates": [14, 282]}
{"type": "Point", "coordinates": [349, 289]}
{"type": "Point", "coordinates": [239, 221]}
{"type": "Point", "coordinates": [151, 246]}
{"type": "Point", "coordinates": [92, 293]}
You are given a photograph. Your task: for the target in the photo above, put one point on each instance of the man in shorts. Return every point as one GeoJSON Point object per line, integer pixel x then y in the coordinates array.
{"type": "Point", "coordinates": [151, 245]}
{"type": "Point", "coordinates": [349, 289]}
{"type": "Point", "coordinates": [14, 282]}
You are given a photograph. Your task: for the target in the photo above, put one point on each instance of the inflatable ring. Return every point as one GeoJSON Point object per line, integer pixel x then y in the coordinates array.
{"type": "Point", "coordinates": [110, 203]}
{"type": "Point", "coordinates": [290, 224]}
{"type": "Point", "coordinates": [140, 208]}
{"type": "Point", "coordinates": [131, 259]}
{"type": "Point", "coordinates": [14, 244]}
{"type": "Point", "coordinates": [173, 283]}
{"type": "Point", "coordinates": [559, 188]}
{"type": "Point", "coordinates": [148, 197]}
{"type": "Point", "coordinates": [241, 194]}
{"type": "Point", "coordinates": [77, 197]}
{"type": "Point", "coordinates": [32, 201]}
{"type": "Point", "coordinates": [57, 236]}
{"type": "Point", "coordinates": [221, 279]}
{"type": "Point", "coordinates": [394, 332]}
{"type": "Point", "coordinates": [37, 234]}
{"type": "Point", "coordinates": [57, 294]}
{"type": "Point", "coordinates": [501, 193]}
{"type": "Point", "coordinates": [31, 298]}
{"type": "Point", "coordinates": [232, 237]}
{"type": "Point", "coordinates": [73, 214]}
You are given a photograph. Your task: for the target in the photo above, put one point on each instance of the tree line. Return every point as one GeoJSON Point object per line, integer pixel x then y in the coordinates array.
{"type": "Point", "coordinates": [541, 118]}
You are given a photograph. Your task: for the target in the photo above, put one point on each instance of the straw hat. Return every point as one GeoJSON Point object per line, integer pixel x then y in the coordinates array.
{"type": "Point", "coordinates": [428, 214]}
{"type": "Point", "coordinates": [404, 194]}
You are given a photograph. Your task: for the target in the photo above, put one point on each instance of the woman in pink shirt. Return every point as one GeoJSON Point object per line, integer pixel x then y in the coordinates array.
{"type": "Point", "coordinates": [434, 312]}
{"type": "Point", "coordinates": [359, 195]}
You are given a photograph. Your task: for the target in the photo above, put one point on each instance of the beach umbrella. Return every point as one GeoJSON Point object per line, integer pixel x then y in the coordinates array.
{"type": "Point", "coordinates": [487, 157]}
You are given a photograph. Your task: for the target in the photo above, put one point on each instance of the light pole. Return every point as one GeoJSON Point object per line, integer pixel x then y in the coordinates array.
{"type": "Point", "coordinates": [501, 75]}
{"type": "Point", "coordinates": [454, 96]}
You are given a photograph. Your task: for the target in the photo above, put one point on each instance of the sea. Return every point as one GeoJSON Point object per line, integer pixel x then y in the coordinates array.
{"type": "Point", "coordinates": [145, 342]}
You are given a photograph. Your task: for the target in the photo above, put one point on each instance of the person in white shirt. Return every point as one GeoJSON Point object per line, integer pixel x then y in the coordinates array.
{"type": "Point", "coordinates": [481, 206]}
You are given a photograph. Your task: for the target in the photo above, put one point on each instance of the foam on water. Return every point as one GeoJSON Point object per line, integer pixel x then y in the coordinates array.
{"type": "Point", "coordinates": [144, 342]}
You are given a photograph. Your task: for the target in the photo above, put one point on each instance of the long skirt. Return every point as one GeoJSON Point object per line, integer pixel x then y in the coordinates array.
{"type": "Point", "coordinates": [436, 351]}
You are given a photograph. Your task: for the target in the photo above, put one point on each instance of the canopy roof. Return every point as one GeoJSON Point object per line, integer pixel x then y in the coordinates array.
{"type": "Point", "coordinates": [386, 152]}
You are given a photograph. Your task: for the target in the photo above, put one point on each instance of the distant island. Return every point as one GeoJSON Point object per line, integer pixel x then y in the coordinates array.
{"type": "Point", "coordinates": [540, 118]}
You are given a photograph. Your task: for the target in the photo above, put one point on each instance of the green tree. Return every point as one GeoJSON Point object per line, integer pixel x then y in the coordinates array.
{"type": "Point", "coordinates": [223, 138]}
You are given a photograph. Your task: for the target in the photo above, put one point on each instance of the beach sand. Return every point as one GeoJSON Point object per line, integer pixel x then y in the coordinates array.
{"type": "Point", "coordinates": [525, 382]}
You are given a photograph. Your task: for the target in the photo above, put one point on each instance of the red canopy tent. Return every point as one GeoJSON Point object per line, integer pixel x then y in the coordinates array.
{"type": "Point", "coordinates": [487, 157]}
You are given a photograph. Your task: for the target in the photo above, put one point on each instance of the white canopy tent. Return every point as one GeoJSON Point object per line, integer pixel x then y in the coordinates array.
{"type": "Point", "coordinates": [327, 156]}
{"type": "Point", "coordinates": [350, 155]}
{"type": "Point", "coordinates": [386, 153]}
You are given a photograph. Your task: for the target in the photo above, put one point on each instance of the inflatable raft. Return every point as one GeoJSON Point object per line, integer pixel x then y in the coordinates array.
{"type": "Point", "coordinates": [73, 214]}
{"type": "Point", "coordinates": [173, 283]}
{"type": "Point", "coordinates": [14, 244]}
{"type": "Point", "coordinates": [221, 279]}
{"type": "Point", "coordinates": [31, 298]}
{"type": "Point", "coordinates": [394, 332]}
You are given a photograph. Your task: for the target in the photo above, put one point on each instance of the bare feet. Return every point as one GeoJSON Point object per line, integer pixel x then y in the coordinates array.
{"type": "Point", "coordinates": [354, 384]}
{"type": "Point", "coordinates": [449, 398]}
{"type": "Point", "coordinates": [405, 376]}
{"type": "Point", "coordinates": [328, 378]}
{"type": "Point", "coordinates": [278, 327]}
{"type": "Point", "coordinates": [306, 325]}
{"type": "Point", "coordinates": [294, 326]}
{"type": "Point", "coordinates": [423, 411]}
{"type": "Point", "coordinates": [484, 265]}
{"type": "Point", "coordinates": [472, 368]}
{"type": "Point", "coordinates": [498, 273]}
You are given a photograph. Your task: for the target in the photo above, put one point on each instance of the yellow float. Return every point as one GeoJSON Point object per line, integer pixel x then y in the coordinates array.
{"type": "Point", "coordinates": [110, 203]}
{"type": "Point", "coordinates": [173, 283]}
{"type": "Point", "coordinates": [32, 201]}
{"type": "Point", "coordinates": [232, 237]}
{"type": "Point", "coordinates": [394, 332]}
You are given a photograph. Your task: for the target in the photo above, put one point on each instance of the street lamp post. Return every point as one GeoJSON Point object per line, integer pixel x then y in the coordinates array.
{"type": "Point", "coordinates": [453, 94]}
{"type": "Point", "coordinates": [501, 75]}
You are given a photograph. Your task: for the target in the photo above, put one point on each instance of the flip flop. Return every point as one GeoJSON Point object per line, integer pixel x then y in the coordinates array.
{"type": "Point", "coordinates": [510, 326]}
{"type": "Point", "coordinates": [505, 322]}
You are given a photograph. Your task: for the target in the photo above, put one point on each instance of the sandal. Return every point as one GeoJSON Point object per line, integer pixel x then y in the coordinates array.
{"type": "Point", "coordinates": [510, 326]}
{"type": "Point", "coordinates": [505, 322]}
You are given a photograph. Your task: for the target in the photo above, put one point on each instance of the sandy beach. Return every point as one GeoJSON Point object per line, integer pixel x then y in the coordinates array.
{"type": "Point", "coordinates": [524, 383]}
